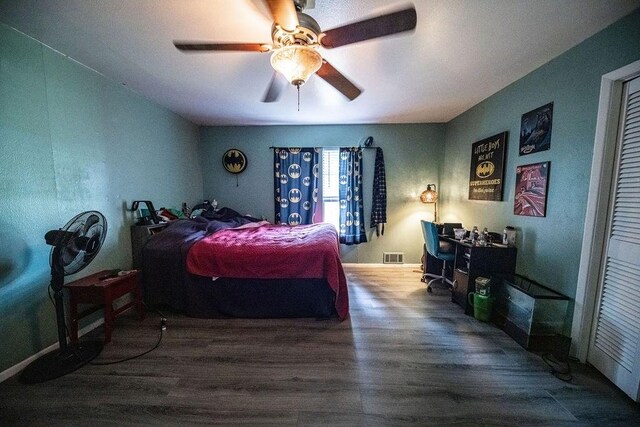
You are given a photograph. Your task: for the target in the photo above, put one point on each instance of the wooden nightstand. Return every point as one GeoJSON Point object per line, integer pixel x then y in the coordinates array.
{"type": "Point", "coordinates": [140, 234]}
{"type": "Point", "coordinates": [92, 290]}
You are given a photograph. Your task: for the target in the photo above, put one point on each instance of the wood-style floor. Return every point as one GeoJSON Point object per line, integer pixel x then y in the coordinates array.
{"type": "Point", "coordinates": [404, 357]}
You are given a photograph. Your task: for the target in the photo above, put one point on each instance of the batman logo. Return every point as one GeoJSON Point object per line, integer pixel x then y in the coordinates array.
{"type": "Point", "coordinates": [294, 171]}
{"type": "Point", "coordinates": [349, 219]}
{"type": "Point", "coordinates": [295, 219]}
{"type": "Point", "coordinates": [234, 161]}
{"type": "Point", "coordinates": [295, 195]}
{"type": "Point", "coordinates": [485, 169]}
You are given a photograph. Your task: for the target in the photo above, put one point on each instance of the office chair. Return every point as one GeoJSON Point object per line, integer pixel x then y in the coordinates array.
{"type": "Point", "coordinates": [432, 245]}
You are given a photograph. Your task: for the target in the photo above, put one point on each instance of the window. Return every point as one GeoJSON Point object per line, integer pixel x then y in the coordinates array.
{"type": "Point", "coordinates": [330, 176]}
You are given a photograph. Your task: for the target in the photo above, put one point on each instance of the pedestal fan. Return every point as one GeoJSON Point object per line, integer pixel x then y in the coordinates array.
{"type": "Point", "coordinates": [74, 247]}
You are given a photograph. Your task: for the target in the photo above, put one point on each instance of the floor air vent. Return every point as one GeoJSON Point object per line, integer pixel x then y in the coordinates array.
{"type": "Point", "coordinates": [393, 257]}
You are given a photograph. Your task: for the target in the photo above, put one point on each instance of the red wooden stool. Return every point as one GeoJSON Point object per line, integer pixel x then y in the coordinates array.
{"type": "Point", "coordinates": [93, 290]}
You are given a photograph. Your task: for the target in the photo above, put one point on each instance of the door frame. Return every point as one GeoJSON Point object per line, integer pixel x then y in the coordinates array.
{"type": "Point", "coordinates": [593, 237]}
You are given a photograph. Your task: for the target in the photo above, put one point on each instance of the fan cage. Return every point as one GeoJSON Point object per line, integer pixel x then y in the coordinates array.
{"type": "Point", "coordinates": [89, 230]}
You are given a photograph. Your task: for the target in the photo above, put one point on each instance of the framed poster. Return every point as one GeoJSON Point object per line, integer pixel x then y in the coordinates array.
{"type": "Point", "coordinates": [487, 168]}
{"type": "Point", "coordinates": [532, 182]}
{"type": "Point", "coordinates": [535, 130]}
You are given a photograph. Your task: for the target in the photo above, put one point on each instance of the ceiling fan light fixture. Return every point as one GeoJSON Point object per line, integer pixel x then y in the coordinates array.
{"type": "Point", "coordinates": [296, 63]}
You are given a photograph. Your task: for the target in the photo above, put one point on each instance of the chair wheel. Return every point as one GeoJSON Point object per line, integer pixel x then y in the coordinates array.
{"type": "Point", "coordinates": [429, 290]}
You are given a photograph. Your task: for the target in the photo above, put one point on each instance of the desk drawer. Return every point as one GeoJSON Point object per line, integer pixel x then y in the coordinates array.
{"type": "Point", "coordinates": [460, 288]}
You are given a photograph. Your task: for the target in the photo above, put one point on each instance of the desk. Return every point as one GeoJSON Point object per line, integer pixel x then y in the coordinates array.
{"type": "Point", "coordinates": [473, 261]}
{"type": "Point", "coordinates": [92, 290]}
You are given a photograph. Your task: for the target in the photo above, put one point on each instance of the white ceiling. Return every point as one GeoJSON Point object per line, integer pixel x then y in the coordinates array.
{"type": "Point", "coordinates": [461, 52]}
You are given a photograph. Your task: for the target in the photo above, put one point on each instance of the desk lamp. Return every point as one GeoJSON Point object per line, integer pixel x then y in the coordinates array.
{"type": "Point", "coordinates": [430, 195]}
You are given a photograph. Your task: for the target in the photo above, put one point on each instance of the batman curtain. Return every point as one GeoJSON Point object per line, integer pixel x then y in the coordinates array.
{"type": "Point", "coordinates": [295, 184]}
{"type": "Point", "coordinates": [350, 194]}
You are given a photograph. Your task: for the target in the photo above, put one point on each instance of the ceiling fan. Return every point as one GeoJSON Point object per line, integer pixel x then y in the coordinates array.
{"type": "Point", "coordinates": [296, 38]}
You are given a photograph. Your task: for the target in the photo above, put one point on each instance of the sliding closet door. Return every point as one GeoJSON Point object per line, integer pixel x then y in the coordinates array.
{"type": "Point", "coordinates": [615, 342]}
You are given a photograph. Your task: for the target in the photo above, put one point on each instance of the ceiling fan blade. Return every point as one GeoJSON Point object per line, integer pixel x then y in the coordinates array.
{"type": "Point", "coordinates": [244, 47]}
{"type": "Point", "coordinates": [284, 13]}
{"type": "Point", "coordinates": [380, 26]}
{"type": "Point", "coordinates": [275, 88]}
{"type": "Point", "coordinates": [337, 80]}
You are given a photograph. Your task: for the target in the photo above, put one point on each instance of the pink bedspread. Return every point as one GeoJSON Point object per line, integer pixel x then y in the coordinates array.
{"type": "Point", "coordinates": [274, 252]}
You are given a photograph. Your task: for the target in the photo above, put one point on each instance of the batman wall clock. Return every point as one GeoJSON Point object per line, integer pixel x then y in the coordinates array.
{"type": "Point", "coordinates": [234, 161]}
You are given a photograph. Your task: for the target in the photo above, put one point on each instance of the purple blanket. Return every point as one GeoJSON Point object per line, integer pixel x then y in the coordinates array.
{"type": "Point", "coordinates": [165, 254]}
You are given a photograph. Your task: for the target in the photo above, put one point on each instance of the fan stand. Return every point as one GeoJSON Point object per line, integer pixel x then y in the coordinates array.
{"type": "Point", "coordinates": [70, 356]}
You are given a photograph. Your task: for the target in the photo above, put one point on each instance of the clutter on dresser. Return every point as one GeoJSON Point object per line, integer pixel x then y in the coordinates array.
{"type": "Point", "coordinates": [145, 215]}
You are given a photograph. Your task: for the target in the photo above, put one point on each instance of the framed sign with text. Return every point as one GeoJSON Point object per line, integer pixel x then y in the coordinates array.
{"type": "Point", "coordinates": [487, 168]}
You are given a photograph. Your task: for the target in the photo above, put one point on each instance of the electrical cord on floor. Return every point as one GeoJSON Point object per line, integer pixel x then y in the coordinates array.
{"type": "Point", "coordinates": [163, 327]}
{"type": "Point", "coordinates": [50, 297]}
{"type": "Point", "coordinates": [560, 369]}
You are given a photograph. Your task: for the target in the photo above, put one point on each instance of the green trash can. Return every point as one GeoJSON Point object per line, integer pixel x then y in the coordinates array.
{"type": "Point", "coordinates": [482, 306]}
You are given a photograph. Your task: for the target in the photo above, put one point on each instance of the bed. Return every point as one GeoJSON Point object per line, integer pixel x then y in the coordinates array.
{"type": "Point", "coordinates": [232, 265]}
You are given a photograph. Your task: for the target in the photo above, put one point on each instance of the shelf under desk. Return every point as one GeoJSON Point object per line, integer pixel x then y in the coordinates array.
{"type": "Point", "coordinates": [473, 261]}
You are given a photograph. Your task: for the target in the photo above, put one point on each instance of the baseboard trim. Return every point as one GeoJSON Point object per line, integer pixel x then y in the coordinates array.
{"type": "Point", "coordinates": [8, 373]}
{"type": "Point", "coordinates": [381, 265]}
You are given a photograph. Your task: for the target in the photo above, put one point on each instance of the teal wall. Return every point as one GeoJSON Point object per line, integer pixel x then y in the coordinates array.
{"type": "Point", "coordinates": [71, 140]}
{"type": "Point", "coordinates": [412, 154]}
{"type": "Point", "coordinates": [548, 248]}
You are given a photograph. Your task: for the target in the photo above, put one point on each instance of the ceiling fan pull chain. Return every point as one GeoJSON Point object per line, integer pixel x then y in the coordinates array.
{"type": "Point", "coordinates": [298, 86]}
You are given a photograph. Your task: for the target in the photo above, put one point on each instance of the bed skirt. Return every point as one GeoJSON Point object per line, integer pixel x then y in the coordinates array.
{"type": "Point", "coordinates": [246, 298]}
